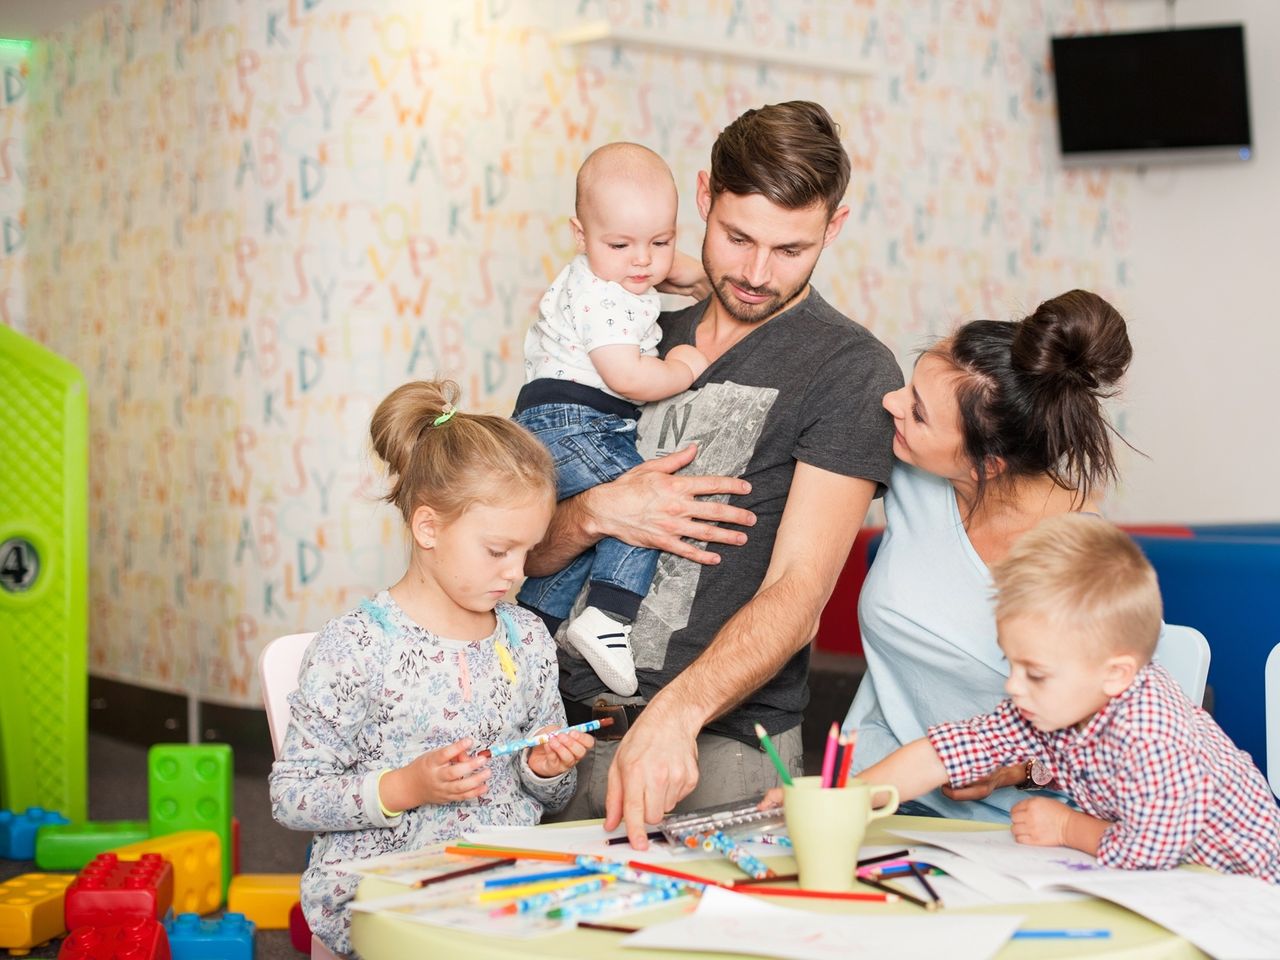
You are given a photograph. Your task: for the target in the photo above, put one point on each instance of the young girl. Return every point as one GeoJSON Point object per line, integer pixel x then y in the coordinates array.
{"type": "Point", "coordinates": [396, 696]}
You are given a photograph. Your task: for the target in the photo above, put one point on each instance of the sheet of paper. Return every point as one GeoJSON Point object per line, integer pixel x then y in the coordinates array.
{"type": "Point", "coordinates": [408, 866]}
{"type": "Point", "coordinates": [732, 922]}
{"type": "Point", "coordinates": [1037, 867]}
{"type": "Point", "coordinates": [1226, 916]}
{"type": "Point", "coordinates": [970, 884]}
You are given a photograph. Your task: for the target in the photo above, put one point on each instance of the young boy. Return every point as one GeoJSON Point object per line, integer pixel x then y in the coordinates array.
{"type": "Point", "coordinates": [590, 357]}
{"type": "Point", "coordinates": [1157, 781]}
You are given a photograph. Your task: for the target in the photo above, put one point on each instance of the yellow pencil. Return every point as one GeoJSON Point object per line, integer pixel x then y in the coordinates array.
{"type": "Point", "coordinates": [527, 889]}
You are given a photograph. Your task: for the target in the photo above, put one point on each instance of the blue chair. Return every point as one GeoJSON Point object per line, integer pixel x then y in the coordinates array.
{"type": "Point", "coordinates": [1229, 589]}
{"type": "Point", "coordinates": [1184, 652]}
{"type": "Point", "coordinates": [1273, 718]}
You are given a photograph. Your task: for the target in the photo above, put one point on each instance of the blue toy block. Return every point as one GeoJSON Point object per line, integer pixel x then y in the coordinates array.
{"type": "Point", "coordinates": [18, 831]}
{"type": "Point", "coordinates": [230, 937]}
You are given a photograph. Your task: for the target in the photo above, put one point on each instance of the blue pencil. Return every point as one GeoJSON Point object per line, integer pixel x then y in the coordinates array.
{"type": "Point", "coordinates": [535, 877]}
{"type": "Point", "coordinates": [504, 748]}
{"type": "Point", "coordinates": [1062, 935]}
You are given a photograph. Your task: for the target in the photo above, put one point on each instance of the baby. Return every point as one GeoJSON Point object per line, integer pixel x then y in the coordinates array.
{"type": "Point", "coordinates": [590, 359]}
{"type": "Point", "coordinates": [1157, 781]}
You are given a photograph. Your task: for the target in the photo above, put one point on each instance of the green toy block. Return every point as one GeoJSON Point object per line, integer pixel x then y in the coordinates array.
{"type": "Point", "coordinates": [189, 788]}
{"type": "Point", "coordinates": [71, 846]}
{"type": "Point", "coordinates": [44, 605]}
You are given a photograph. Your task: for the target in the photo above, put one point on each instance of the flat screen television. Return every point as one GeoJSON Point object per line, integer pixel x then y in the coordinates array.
{"type": "Point", "coordinates": [1158, 96]}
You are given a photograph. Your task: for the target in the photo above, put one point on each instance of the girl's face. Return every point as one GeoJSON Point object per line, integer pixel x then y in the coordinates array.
{"type": "Point", "coordinates": [475, 558]}
{"type": "Point", "coordinates": [926, 421]}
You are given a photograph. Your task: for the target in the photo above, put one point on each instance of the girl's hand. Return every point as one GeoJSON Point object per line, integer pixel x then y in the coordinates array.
{"type": "Point", "coordinates": [444, 775]}
{"type": "Point", "coordinates": [772, 799]}
{"type": "Point", "coordinates": [1041, 822]}
{"type": "Point", "coordinates": [559, 753]}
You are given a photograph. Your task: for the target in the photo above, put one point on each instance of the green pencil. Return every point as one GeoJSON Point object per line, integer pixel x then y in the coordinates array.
{"type": "Point", "coordinates": [772, 751]}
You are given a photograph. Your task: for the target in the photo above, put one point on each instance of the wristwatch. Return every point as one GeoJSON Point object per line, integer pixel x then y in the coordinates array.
{"type": "Point", "coordinates": [1037, 775]}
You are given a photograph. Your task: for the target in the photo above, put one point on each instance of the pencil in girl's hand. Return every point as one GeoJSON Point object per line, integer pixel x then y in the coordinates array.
{"type": "Point", "coordinates": [772, 751]}
{"type": "Point", "coordinates": [850, 740]}
{"type": "Point", "coordinates": [829, 757]}
{"type": "Point", "coordinates": [503, 749]}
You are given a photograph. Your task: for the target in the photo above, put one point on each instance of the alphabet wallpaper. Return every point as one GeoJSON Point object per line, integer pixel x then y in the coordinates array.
{"type": "Point", "coordinates": [247, 221]}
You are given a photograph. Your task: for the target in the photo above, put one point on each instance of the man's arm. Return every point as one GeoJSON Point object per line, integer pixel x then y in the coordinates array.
{"type": "Point", "coordinates": [656, 764]}
{"type": "Point", "coordinates": [646, 507]}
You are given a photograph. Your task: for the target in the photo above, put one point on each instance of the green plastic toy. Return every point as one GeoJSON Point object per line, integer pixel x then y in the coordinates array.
{"type": "Point", "coordinates": [44, 546]}
{"type": "Point", "coordinates": [71, 846]}
{"type": "Point", "coordinates": [189, 788]}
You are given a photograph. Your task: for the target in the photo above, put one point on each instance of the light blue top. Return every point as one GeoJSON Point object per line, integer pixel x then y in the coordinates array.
{"type": "Point", "coordinates": [928, 632]}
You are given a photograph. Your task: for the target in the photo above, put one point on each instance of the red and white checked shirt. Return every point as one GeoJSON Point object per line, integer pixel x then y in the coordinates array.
{"type": "Point", "coordinates": [1159, 769]}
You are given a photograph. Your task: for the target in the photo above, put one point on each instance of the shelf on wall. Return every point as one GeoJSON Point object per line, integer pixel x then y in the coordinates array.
{"type": "Point", "coordinates": [602, 31]}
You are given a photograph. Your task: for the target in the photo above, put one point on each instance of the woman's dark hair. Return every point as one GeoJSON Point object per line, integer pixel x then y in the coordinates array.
{"type": "Point", "coordinates": [1030, 392]}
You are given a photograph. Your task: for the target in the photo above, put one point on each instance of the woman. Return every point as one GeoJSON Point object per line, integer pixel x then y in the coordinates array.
{"type": "Point", "coordinates": [1000, 427]}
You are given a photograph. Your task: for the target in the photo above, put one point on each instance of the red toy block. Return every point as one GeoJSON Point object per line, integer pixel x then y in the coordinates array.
{"type": "Point", "coordinates": [235, 845]}
{"type": "Point", "coordinates": [111, 891]}
{"type": "Point", "coordinates": [139, 940]}
{"type": "Point", "coordinates": [299, 931]}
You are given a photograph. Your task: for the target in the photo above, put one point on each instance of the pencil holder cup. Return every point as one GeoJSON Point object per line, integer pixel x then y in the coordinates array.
{"type": "Point", "coordinates": [826, 827]}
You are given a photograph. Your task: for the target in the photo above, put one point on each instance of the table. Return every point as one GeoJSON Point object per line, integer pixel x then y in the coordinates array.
{"type": "Point", "coordinates": [1132, 937]}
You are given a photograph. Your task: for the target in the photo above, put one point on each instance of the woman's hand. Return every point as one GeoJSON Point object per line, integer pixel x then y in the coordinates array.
{"type": "Point", "coordinates": [444, 775]}
{"type": "Point", "coordinates": [686, 278]}
{"type": "Point", "coordinates": [559, 753]}
{"type": "Point", "coordinates": [1009, 776]}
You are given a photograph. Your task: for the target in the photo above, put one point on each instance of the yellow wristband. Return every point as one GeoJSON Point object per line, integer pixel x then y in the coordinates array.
{"type": "Point", "coordinates": [389, 814]}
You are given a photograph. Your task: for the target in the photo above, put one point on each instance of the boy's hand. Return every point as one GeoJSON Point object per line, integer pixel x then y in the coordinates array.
{"type": "Point", "coordinates": [690, 357]}
{"type": "Point", "coordinates": [1041, 822]}
{"type": "Point", "coordinates": [559, 753]}
{"type": "Point", "coordinates": [443, 775]}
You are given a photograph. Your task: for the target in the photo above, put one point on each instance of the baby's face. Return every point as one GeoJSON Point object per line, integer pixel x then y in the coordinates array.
{"type": "Point", "coordinates": [628, 233]}
{"type": "Point", "coordinates": [1057, 679]}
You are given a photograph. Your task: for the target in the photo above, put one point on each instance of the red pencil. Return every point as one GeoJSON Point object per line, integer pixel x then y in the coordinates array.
{"type": "Point", "coordinates": [819, 894]}
{"type": "Point", "coordinates": [668, 872]}
{"type": "Point", "coordinates": [850, 742]}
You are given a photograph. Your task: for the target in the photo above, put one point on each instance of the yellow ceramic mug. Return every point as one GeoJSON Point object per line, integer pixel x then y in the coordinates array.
{"type": "Point", "coordinates": [827, 826]}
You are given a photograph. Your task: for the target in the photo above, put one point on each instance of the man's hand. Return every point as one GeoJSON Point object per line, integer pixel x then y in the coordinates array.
{"type": "Point", "coordinates": [1041, 822]}
{"type": "Point", "coordinates": [648, 507]}
{"type": "Point", "coordinates": [1009, 776]}
{"type": "Point", "coordinates": [653, 769]}
{"type": "Point", "coordinates": [686, 278]}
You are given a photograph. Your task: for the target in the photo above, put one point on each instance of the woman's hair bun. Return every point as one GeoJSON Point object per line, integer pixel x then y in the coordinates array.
{"type": "Point", "coordinates": [1075, 338]}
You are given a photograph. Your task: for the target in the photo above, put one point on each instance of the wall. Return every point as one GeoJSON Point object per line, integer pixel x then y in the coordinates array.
{"type": "Point", "coordinates": [248, 221]}
{"type": "Point", "coordinates": [13, 185]}
{"type": "Point", "coordinates": [1203, 255]}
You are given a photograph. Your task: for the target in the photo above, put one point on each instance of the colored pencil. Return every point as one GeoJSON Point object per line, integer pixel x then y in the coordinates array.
{"type": "Point", "coordinates": [552, 898]}
{"type": "Point", "coordinates": [503, 749]}
{"type": "Point", "coordinates": [464, 872]}
{"type": "Point", "coordinates": [829, 757]}
{"type": "Point", "coordinates": [553, 856]}
{"type": "Point", "coordinates": [888, 889]}
{"type": "Point", "coordinates": [779, 878]}
{"type": "Point", "coordinates": [632, 875]}
{"type": "Point", "coordinates": [772, 751]}
{"type": "Point", "coordinates": [610, 927]}
{"type": "Point", "coordinates": [850, 741]}
{"type": "Point", "coordinates": [936, 901]}
{"type": "Point", "coordinates": [620, 901]}
{"type": "Point", "coordinates": [657, 836]}
{"type": "Point", "coordinates": [1061, 934]}
{"type": "Point", "coordinates": [530, 889]}
{"type": "Point", "coordinates": [896, 855]}
{"type": "Point", "coordinates": [536, 877]}
{"type": "Point", "coordinates": [675, 874]}
{"type": "Point", "coordinates": [889, 896]}
{"type": "Point", "coordinates": [743, 859]}
{"type": "Point", "coordinates": [886, 867]}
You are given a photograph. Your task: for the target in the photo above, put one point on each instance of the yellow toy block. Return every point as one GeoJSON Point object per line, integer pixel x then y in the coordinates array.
{"type": "Point", "coordinates": [196, 856]}
{"type": "Point", "coordinates": [265, 898]}
{"type": "Point", "coordinates": [31, 910]}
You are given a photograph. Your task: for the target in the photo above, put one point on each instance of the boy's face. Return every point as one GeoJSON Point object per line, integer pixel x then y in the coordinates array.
{"type": "Point", "coordinates": [1057, 678]}
{"type": "Point", "coordinates": [628, 232]}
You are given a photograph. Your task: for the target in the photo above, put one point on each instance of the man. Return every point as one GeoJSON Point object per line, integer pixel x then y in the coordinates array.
{"type": "Point", "coordinates": [791, 404]}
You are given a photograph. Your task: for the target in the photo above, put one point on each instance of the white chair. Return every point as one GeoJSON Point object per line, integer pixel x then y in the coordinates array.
{"type": "Point", "coordinates": [1184, 652]}
{"type": "Point", "coordinates": [278, 673]}
{"type": "Point", "coordinates": [1271, 683]}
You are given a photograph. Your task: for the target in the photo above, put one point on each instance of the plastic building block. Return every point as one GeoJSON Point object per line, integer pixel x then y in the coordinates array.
{"type": "Point", "coordinates": [299, 929]}
{"type": "Point", "coordinates": [44, 579]}
{"type": "Point", "coordinates": [196, 856]}
{"type": "Point", "coordinates": [140, 940]}
{"type": "Point", "coordinates": [235, 845]}
{"type": "Point", "coordinates": [190, 789]}
{"type": "Point", "coordinates": [31, 910]}
{"type": "Point", "coordinates": [72, 845]}
{"type": "Point", "coordinates": [265, 898]}
{"type": "Point", "coordinates": [228, 938]}
{"type": "Point", "coordinates": [18, 831]}
{"type": "Point", "coordinates": [110, 891]}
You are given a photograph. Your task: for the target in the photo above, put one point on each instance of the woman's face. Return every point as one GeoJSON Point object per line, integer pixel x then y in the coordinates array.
{"type": "Point", "coordinates": [926, 421]}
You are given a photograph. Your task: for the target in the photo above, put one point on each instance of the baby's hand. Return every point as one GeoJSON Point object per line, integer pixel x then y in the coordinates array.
{"type": "Point", "coordinates": [772, 799]}
{"type": "Point", "coordinates": [690, 357]}
{"type": "Point", "coordinates": [559, 753]}
{"type": "Point", "coordinates": [1040, 822]}
{"type": "Point", "coordinates": [448, 775]}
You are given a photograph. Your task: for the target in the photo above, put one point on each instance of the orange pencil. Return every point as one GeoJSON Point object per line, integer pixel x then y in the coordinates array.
{"type": "Point", "coordinates": [818, 894]}
{"type": "Point", "coordinates": [503, 853]}
{"type": "Point", "coordinates": [850, 742]}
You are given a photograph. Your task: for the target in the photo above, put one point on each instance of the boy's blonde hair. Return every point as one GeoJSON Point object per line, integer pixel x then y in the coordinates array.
{"type": "Point", "coordinates": [1079, 571]}
{"type": "Point", "coordinates": [465, 459]}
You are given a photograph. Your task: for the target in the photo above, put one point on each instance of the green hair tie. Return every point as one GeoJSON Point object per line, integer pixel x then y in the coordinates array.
{"type": "Point", "coordinates": [449, 411]}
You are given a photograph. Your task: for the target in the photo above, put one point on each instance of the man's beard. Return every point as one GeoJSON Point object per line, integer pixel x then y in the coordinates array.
{"type": "Point", "coordinates": [751, 312]}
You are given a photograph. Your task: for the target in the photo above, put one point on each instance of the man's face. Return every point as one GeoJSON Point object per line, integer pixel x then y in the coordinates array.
{"type": "Point", "coordinates": [759, 256]}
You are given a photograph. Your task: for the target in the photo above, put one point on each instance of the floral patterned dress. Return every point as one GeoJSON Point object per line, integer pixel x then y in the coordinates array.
{"type": "Point", "coordinates": [377, 690]}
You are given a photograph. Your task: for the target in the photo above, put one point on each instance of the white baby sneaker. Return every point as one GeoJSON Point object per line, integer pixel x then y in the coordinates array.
{"type": "Point", "coordinates": [605, 644]}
